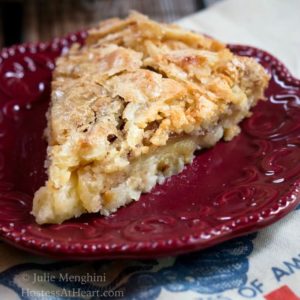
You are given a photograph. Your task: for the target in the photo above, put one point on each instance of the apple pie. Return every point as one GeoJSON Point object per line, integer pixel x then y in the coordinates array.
{"type": "Point", "coordinates": [130, 107]}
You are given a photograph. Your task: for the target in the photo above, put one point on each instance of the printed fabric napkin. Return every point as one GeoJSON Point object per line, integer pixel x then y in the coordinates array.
{"type": "Point", "coordinates": [264, 265]}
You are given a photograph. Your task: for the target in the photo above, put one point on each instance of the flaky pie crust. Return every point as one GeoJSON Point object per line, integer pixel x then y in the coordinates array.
{"type": "Point", "coordinates": [135, 93]}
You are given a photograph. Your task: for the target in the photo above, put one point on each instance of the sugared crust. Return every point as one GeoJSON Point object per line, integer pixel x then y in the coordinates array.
{"type": "Point", "coordinates": [133, 86]}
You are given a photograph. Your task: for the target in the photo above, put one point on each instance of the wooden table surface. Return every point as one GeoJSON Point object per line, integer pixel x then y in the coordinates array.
{"type": "Point", "coordinates": [40, 20]}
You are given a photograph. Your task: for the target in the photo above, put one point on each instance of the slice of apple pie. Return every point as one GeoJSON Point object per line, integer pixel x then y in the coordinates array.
{"type": "Point", "coordinates": [130, 107]}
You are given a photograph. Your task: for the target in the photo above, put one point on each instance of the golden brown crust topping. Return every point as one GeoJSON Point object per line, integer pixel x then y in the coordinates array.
{"type": "Point", "coordinates": [135, 72]}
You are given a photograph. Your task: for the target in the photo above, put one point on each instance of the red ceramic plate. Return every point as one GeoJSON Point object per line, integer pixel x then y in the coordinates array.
{"type": "Point", "coordinates": [230, 190]}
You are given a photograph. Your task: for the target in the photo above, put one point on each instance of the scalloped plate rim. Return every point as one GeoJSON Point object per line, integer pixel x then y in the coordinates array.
{"type": "Point", "coordinates": [187, 243]}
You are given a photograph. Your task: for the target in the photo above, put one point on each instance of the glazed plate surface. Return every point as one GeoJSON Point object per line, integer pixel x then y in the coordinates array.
{"type": "Point", "coordinates": [230, 190]}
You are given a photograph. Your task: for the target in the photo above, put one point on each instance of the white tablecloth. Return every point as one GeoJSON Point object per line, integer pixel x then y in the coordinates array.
{"type": "Point", "coordinates": [265, 265]}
